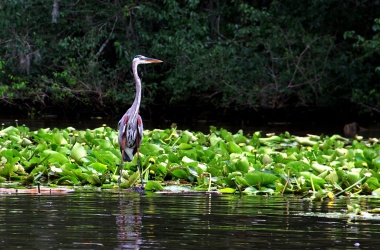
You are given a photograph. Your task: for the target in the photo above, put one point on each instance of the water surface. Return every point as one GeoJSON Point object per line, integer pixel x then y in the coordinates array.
{"type": "Point", "coordinates": [178, 221]}
{"type": "Point", "coordinates": [295, 128]}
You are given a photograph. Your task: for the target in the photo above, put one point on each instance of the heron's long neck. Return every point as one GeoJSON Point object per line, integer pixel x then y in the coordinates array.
{"type": "Point", "coordinates": [136, 102]}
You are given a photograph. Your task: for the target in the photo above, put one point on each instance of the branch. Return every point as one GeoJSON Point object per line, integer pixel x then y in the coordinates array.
{"type": "Point", "coordinates": [55, 11]}
{"type": "Point", "coordinates": [297, 65]}
{"type": "Point", "coordinates": [107, 41]}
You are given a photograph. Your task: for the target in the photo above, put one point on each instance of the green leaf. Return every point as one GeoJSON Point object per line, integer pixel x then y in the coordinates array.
{"type": "Point", "coordinates": [260, 178]}
{"type": "Point", "coordinates": [250, 190]}
{"type": "Point", "coordinates": [227, 190]}
{"type": "Point", "coordinates": [234, 148]}
{"type": "Point", "coordinates": [151, 149]}
{"type": "Point", "coordinates": [78, 153]}
{"type": "Point", "coordinates": [131, 180]}
{"type": "Point", "coordinates": [153, 186]}
{"type": "Point", "coordinates": [11, 130]}
{"type": "Point", "coordinates": [189, 162]}
{"type": "Point", "coordinates": [68, 180]}
{"type": "Point", "coordinates": [317, 181]}
{"type": "Point", "coordinates": [99, 167]}
{"type": "Point", "coordinates": [179, 173]}
{"type": "Point", "coordinates": [214, 140]}
{"type": "Point", "coordinates": [59, 139]}
{"type": "Point", "coordinates": [373, 183]}
{"type": "Point", "coordinates": [94, 179]}
{"type": "Point", "coordinates": [353, 177]}
{"type": "Point", "coordinates": [54, 156]}
{"type": "Point", "coordinates": [185, 146]}
{"type": "Point", "coordinates": [241, 181]}
{"type": "Point", "coordinates": [319, 168]}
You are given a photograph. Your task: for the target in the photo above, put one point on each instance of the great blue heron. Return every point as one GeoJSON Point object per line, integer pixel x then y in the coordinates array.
{"type": "Point", "coordinates": [131, 125]}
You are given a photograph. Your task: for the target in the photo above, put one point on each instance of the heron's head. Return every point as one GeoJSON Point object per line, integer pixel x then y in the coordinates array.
{"type": "Point", "coordinates": [139, 59]}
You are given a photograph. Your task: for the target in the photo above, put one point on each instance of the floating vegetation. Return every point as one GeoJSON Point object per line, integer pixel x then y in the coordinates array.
{"type": "Point", "coordinates": [315, 167]}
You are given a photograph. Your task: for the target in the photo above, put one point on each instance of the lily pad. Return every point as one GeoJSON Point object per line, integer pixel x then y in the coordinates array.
{"type": "Point", "coordinates": [153, 186]}
{"type": "Point", "coordinates": [79, 153]}
{"type": "Point", "coordinates": [227, 190]}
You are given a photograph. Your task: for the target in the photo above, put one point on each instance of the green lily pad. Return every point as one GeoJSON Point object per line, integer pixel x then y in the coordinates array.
{"type": "Point", "coordinates": [260, 178]}
{"type": "Point", "coordinates": [99, 167]}
{"type": "Point", "coordinates": [68, 180]}
{"type": "Point", "coordinates": [54, 156]}
{"type": "Point", "coordinates": [153, 186]}
{"type": "Point", "coordinates": [79, 153]}
{"type": "Point", "coordinates": [227, 190]}
{"type": "Point", "coordinates": [179, 173]}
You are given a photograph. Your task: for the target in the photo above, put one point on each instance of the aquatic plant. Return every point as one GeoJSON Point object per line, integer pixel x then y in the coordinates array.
{"type": "Point", "coordinates": [316, 167]}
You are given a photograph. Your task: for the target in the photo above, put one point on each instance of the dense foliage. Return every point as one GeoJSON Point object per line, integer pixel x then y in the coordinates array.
{"type": "Point", "coordinates": [226, 53]}
{"type": "Point", "coordinates": [174, 160]}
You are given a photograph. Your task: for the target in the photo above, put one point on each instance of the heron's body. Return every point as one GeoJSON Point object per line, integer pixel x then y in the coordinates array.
{"type": "Point", "coordinates": [131, 129]}
{"type": "Point", "coordinates": [131, 125]}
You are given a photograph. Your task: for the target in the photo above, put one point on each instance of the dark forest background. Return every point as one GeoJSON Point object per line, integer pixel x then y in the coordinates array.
{"type": "Point", "coordinates": [69, 57]}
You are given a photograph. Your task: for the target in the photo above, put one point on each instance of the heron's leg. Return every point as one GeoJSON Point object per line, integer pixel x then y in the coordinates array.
{"type": "Point", "coordinates": [140, 168]}
{"type": "Point", "coordinates": [120, 170]}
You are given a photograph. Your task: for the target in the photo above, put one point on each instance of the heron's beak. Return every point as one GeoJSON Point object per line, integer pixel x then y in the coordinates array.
{"type": "Point", "coordinates": [152, 60]}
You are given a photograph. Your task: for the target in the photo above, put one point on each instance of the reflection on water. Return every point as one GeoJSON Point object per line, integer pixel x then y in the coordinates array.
{"type": "Point", "coordinates": [129, 222]}
{"type": "Point", "coordinates": [157, 221]}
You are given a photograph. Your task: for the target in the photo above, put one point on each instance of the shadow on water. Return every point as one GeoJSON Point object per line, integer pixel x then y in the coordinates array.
{"type": "Point", "coordinates": [156, 221]}
{"type": "Point", "coordinates": [295, 128]}
{"type": "Point", "coordinates": [295, 120]}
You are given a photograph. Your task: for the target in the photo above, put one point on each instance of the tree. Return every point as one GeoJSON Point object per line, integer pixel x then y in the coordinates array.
{"type": "Point", "coordinates": [233, 54]}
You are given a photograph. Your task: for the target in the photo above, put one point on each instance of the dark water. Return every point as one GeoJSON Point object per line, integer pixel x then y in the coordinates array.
{"type": "Point", "coordinates": [162, 221]}
{"type": "Point", "coordinates": [295, 128]}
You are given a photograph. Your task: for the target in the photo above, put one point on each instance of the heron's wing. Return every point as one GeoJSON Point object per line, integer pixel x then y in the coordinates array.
{"type": "Point", "coordinates": [122, 137]}
{"type": "Point", "coordinates": [123, 124]}
{"type": "Point", "coordinates": [140, 130]}
{"type": "Point", "coordinates": [122, 131]}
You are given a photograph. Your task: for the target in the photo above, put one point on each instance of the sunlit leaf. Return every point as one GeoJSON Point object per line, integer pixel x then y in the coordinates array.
{"type": "Point", "coordinates": [54, 156]}
{"type": "Point", "coordinates": [189, 162]}
{"type": "Point", "coordinates": [250, 190]}
{"type": "Point", "coordinates": [151, 149]}
{"type": "Point", "coordinates": [227, 190]}
{"type": "Point", "coordinates": [9, 131]}
{"type": "Point", "coordinates": [59, 139]}
{"type": "Point", "coordinates": [373, 183]}
{"type": "Point", "coordinates": [78, 153]}
{"type": "Point", "coordinates": [352, 177]}
{"type": "Point", "coordinates": [319, 168]}
{"type": "Point", "coordinates": [234, 148]}
{"type": "Point", "coordinates": [190, 153]}
{"type": "Point", "coordinates": [185, 146]}
{"type": "Point", "coordinates": [332, 177]}
{"type": "Point", "coordinates": [318, 182]}
{"type": "Point", "coordinates": [99, 167]}
{"type": "Point", "coordinates": [214, 140]}
{"type": "Point", "coordinates": [240, 180]}
{"type": "Point", "coordinates": [153, 186]}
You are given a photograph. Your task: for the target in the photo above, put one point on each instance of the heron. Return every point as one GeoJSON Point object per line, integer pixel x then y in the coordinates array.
{"type": "Point", "coordinates": [131, 125]}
